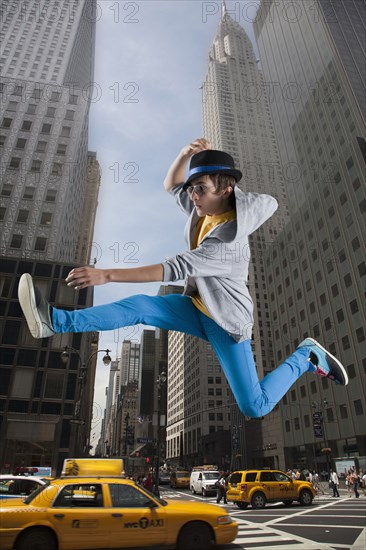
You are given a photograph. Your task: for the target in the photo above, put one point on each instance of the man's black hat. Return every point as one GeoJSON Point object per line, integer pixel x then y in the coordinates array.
{"type": "Point", "coordinates": [210, 162]}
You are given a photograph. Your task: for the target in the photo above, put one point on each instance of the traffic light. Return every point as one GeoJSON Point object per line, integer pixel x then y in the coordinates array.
{"type": "Point", "coordinates": [147, 460]}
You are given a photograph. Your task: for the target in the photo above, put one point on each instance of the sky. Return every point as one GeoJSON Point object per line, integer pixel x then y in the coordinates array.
{"type": "Point", "coordinates": [150, 63]}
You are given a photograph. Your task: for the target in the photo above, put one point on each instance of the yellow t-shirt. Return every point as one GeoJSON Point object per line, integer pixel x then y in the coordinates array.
{"type": "Point", "coordinates": [203, 227]}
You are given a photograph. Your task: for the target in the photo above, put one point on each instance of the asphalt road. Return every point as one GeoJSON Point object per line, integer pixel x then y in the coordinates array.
{"type": "Point", "coordinates": [330, 523]}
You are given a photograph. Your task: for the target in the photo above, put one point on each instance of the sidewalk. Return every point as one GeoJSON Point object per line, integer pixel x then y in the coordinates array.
{"type": "Point", "coordinates": [343, 492]}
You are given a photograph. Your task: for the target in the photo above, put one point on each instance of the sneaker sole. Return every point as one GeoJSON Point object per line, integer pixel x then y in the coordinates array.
{"type": "Point", "coordinates": [27, 300]}
{"type": "Point", "coordinates": [334, 363]}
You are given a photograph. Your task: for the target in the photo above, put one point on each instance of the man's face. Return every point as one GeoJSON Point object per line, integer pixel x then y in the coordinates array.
{"type": "Point", "coordinates": [208, 201]}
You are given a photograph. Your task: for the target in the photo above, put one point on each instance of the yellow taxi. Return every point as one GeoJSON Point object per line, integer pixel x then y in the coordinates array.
{"type": "Point", "coordinates": [180, 479]}
{"type": "Point", "coordinates": [84, 512]}
{"type": "Point", "coordinates": [257, 487]}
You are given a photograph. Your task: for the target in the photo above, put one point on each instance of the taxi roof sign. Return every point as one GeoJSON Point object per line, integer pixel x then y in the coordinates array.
{"type": "Point", "coordinates": [87, 467]}
{"type": "Point", "coordinates": [205, 468]}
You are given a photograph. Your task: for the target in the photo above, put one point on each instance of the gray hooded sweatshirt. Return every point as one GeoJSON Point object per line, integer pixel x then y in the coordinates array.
{"type": "Point", "coordinates": [218, 268]}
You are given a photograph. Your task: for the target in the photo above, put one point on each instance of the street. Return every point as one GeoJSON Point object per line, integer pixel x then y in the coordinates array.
{"type": "Point", "coordinates": [330, 523]}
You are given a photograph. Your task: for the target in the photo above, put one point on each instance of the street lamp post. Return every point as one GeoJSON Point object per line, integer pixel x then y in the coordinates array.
{"type": "Point", "coordinates": [76, 420]}
{"type": "Point", "coordinates": [161, 381]}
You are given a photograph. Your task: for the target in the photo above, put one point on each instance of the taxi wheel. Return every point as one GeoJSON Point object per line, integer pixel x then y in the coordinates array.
{"type": "Point", "coordinates": [195, 536]}
{"type": "Point", "coordinates": [36, 539]}
{"type": "Point", "coordinates": [258, 500]}
{"type": "Point", "coordinates": [306, 498]}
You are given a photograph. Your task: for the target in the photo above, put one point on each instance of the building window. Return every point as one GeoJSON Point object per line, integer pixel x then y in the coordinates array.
{"type": "Point", "coordinates": [334, 290]}
{"type": "Point", "coordinates": [41, 146]}
{"type": "Point", "coordinates": [46, 128]}
{"type": "Point", "coordinates": [348, 280]}
{"type": "Point", "coordinates": [23, 216]}
{"type": "Point", "coordinates": [31, 109]}
{"type": "Point", "coordinates": [40, 244]}
{"type": "Point", "coordinates": [7, 122]}
{"type": "Point", "coordinates": [2, 140]}
{"type": "Point", "coordinates": [51, 112]}
{"type": "Point", "coordinates": [54, 385]}
{"type": "Point", "coordinates": [16, 241]}
{"type": "Point", "coordinates": [358, 407]}
{"type": "Point", "coordinates": [360, 335]}
{"type": "Point", "coordinates": [28, 193]}
{"type": "Point", "coordinates": [61, 149]}
{"type": "Point", "coordinates": [65, 132]}
{"type": "Point", "coordinates": [69, 115]}
{"type": "Point", "coordinates": [51, 195]}
{"type": "Point", "coordinates": [6, 190]}
{"type": "Point", "coordinates": [26, 126]}
{"type": "Point", "coordinates": [340, 315]}
{"type": "Point", "coordinates": [55, 96]}
{"type": "Point", "coordinates": [22, 383]}
{"type": "Point", "coordinates": [46, 218]}
{"type": "Point", "coordinates": [56, 169]}
{"type": "Point", "coordinates": [343, 411]}
{"type": "Point", "coordinates": [36, 166]}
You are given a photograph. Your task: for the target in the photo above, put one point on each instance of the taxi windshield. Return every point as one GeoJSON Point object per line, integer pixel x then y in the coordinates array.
{"type": "Point", "coordinates": [183, 474]}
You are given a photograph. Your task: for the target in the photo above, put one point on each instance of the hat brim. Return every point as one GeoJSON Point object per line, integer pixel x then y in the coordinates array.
{"type": "Point", "coordinates": [229, 172]}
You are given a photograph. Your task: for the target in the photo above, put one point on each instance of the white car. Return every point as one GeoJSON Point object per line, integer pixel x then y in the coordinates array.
{"type": "Point", "coordinates": [18, 486]}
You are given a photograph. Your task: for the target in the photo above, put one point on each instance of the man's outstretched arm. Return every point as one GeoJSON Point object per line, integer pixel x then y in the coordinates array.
{"type": "Point", "coordinates": [177, 170]}
{"type": "Point", "coordinates": [82, 277]}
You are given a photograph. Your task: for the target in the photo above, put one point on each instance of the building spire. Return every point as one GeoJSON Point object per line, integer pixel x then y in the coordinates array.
{"type": "Point", "coordinates": [223, 9]}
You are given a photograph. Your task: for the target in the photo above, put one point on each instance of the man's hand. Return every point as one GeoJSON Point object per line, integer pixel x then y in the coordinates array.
{"type": "Point", "coordinates": [82, 277]}
{"type": "Point", "coordinates": [177, 170]}
{"type": "Point", "coordinates": [200, 144]}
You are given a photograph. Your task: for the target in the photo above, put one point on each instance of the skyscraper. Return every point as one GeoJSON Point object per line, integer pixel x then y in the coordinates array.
{"type": "Point", "coordinates": [47, 59]}
{"type": "Point", "coordinates": [130, 362]}
{"type": "Point", "coordinates": [237, 119]}
{"type": "Point", "coordinates": [315, 54]}
{"type": "Point", "coordinates": [46, 85]}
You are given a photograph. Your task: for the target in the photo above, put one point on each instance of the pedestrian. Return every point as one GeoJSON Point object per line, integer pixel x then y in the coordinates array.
{"type": "Point", "coordinates": [216, 305]}
{"type": "Point", "coordinates": [349, 483]}
{"type": "Point", "coordinates": [363, 485]}
{"type": "Point", "coordinates": [356, 483]}
{"type": "Point", "coordinates": [335, 483]}
{"type": "Point", "coordinates": [148, 482]}
{"type": "Point", "coordinates": [221, 486]}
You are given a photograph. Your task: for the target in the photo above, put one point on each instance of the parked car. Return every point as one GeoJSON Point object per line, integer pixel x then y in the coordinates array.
{"type": "Point", "coordinates": [180, 479]}
{"type": "Point", "coordinates": [85, 512]}
{"type": "Point", "coordinates": [257, 487]}
{"type": "Point", "coordinates": [19, 486]}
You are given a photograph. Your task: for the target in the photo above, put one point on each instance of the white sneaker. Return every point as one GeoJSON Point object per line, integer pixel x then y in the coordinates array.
{"type": "Point", "coordinates": [37, 311]}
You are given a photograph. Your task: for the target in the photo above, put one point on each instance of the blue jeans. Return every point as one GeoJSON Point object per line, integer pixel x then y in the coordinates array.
{"type": "Point", "coordinates": [176, 312]}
